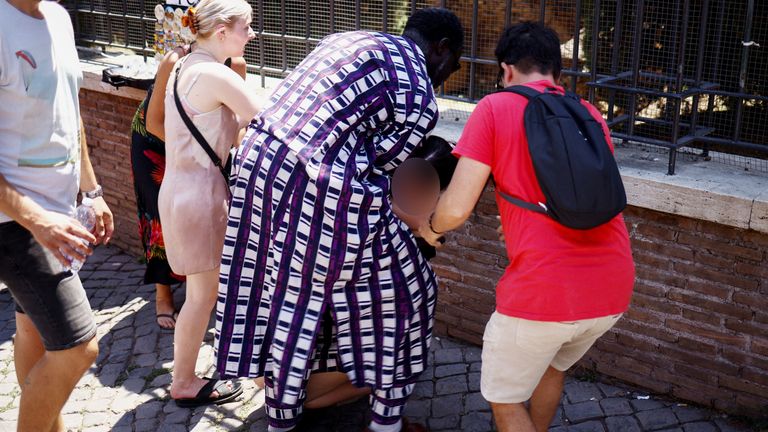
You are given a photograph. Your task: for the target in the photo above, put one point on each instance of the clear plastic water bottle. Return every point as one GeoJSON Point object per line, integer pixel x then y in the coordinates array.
{"type": "Point", "coordinates": [86, 215]}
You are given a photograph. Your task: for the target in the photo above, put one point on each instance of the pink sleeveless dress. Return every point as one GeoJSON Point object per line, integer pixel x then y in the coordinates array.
{"type": "Point", "coordinates": [193, 198]}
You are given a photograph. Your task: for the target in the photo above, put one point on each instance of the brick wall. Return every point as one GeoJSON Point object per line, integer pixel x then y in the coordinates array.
{"type": "Point", "coordinates": [697, 328]}
{"type": "Point", "coordinates": [107, 120]}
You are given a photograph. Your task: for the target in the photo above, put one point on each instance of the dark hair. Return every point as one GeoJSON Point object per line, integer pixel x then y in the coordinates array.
{"type": "Point", "coordinates": [437, 151]}
{"type": "Point", "coordinates": [434, 24]}
{"type": "Point", "coordinates": [530, 45]}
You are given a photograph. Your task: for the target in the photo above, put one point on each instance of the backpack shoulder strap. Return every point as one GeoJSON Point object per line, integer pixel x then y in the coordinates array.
{"type": "Point", "coordinates": [524, 204]}
{"type": "Point", "coordinates": [522, 90]}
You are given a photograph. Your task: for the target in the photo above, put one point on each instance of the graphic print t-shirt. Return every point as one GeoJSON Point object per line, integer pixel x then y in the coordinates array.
{"type": "Point", "coordinates": [39, 109]}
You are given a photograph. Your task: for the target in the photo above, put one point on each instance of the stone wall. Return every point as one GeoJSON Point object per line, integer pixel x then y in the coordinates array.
{"type": "Point", "coordinates": [107, 118]}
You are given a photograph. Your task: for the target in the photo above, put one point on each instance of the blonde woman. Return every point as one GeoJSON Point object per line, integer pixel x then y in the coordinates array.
{"type": "Point", "coordinates": [193, 197]}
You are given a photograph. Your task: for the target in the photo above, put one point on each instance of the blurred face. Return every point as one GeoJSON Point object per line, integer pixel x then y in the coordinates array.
{"type": "Point", "coordinates": [442, 63]}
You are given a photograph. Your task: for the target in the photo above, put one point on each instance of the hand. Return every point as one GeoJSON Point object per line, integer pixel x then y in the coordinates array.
{"type": "Point", "coordinates": [500, 229]}
{"type": "Point", "coordinates": [62, 235]}
{"type": "Point", "coordinates": [105, 224]}
{"type": "Point", "coordinates": [431, 237]}
{"type": "Point", "coordinates": [413, 222]}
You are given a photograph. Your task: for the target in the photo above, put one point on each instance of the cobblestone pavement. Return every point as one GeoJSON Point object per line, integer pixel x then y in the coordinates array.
{"type": "Point", "coordinates": [127, 388]}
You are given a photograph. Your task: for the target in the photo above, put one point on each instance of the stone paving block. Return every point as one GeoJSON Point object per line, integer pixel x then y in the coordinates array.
{"type": "Point", "coordinates": [700, 427]}
{"type": "Point", "coordinates": [180, 416]}
{"type": "Point", "coordinates": [446, 405]}
{"type": "Point", "coordinates": [473, 381]}
{"type": "Point", "coordinates": [646, 404]}
{"type": "Point", "coordinates": [476, 422]}
{"type": "Point", "coordinates": [120, 345]}
{"type": "Point", "coordinates": [447, 356]}
{"type": "Point", "coordinates": [139, 372]}
{"type": "Point", "coordinates": [161, 380]}
{"type": "Point", "coordinates": [149, 410]}
{"type": "Point", "coordinates": [559, 418]}
{"type": "Point", "coordinates": [476, 402]}
{"type": "Point", "coordinates": [75, 406]}
{"type": "Point", "coordinates": [656, 419]}
{"type": "Point", "coordinates": [443, 423]}
{"type": "Point", "coordinates": [450, 369]}
{"type": "Point", "coordinates": [95, 419]}
{"type": "Point", "coordinates": [449, 385]}
{"type": "Point", "coordinates": [146, 360]}
{"type": "Point", "coordinates": [125, 401]}
{"type": "Point", "coordinates": [472, 354]}
{"type": "Point", "coordinates": [581, 391]}
{"type": "Point", "coordinates": [582, 411]}
{"type": "Point", "coordinates": [12, 414]}
{"type": "Point", "coordinates": [172, 407]}
{"type": "Point", "coordinates": [171, 427]}
{"type": "Point", "coordinates": [231, 423]}
{"type": "Point", "coordinates": [590, 426]}
{"type": "Point", "coordinates": [421, 408]}
{"type": "Point", "coordinates": [622, 424]}
{"type": "Point", "coordinates": [616, 406]}
{"type": "Point", "coordinates": [689, 414]}
{"type": "Point", "coordinates": [258, 426]}
{"type": "Point", "coordinates": [146, 344]}
{"type": "Point", "coordinates": [726, 425]}
{"type": "Point", "coordinates": [475, 367]}
{"type": "Point", "coordinates": [427, 375]}
{"type": "Point", "coordinates": [73, 421]}
{"type": "Point", "coordinates": [135, 385]}
{"type": "Point", "coordinates": [611, 390]}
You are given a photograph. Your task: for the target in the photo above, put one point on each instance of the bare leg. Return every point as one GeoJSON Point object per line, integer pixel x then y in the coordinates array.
{"type": "Point", "coordinates": [512, 418]}
{"type": "Point", "coordinates": [164, 306]}
{"type": "Point", "coordinates": [190, 331]}
{"type": "Point", "coordinates": [325, 389]}
{"type": "Point", "coordinates": [46, 379]}
{"type": "Point", "coordinates": [545, 399]}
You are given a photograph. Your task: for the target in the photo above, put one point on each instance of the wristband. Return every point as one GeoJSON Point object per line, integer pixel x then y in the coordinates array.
{"type": "Point", "coordinates": [98, 192]}
{"type": "Point", "coordinates": [432, 228]}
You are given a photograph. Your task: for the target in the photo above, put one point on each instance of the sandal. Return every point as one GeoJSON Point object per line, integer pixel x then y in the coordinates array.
{"type": "Point", "coordinates": [172, 317]}
{"type": "Point", "coordinates": [203, 397]}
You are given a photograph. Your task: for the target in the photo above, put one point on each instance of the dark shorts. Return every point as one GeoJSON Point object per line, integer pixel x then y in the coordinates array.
{"type": "Point", "coordinates": [53, 298]}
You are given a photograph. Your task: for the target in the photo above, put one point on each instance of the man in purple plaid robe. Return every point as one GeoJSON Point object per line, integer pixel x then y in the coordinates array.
{"type": "Point", "coordinates": [318, 273]}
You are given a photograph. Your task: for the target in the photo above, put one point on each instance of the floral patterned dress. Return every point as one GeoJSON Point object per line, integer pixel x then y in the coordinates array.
{"type": "Point", "coordinates": [148, 166]}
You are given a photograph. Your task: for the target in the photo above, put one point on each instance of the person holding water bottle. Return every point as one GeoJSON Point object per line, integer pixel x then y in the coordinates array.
{"type": "Point", "coordinates": [43, 163]}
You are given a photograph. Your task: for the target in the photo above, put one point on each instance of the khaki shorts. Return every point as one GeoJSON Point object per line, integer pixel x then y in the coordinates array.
{"type": "Point", "coordinates": [517, 352]}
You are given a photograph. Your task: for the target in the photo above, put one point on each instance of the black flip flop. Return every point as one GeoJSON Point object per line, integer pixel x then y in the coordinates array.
{"type": "Point", "coordinates": [203, 396]}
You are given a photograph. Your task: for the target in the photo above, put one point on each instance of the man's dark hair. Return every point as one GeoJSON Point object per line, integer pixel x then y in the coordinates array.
{"type": "Point", "coordinates": [434, 24]}
{"type": "Point", "coordinates": [530, 46]}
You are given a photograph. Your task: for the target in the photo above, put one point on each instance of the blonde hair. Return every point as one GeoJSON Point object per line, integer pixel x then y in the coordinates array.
{"type": "Point", "coordinates": [203, 18]}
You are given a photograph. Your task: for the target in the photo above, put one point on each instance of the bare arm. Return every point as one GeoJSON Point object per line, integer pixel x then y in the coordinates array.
{"type": "Point", "coordinates": [215, 85]}
{"type": "Point", "coordinates": [238, 97]}
{"type": "Point", "coordinates": [156, 106]}
{"type": "Point", "coordinates": [104, 221]}
{"type": "Point", "coordinates": [458, 200]}
{"type": "Point", "coordinates": [238, 65]}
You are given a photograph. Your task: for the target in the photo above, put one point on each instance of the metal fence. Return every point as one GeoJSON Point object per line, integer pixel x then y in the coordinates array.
{"type": "Point", "coordinates": [669, 73]}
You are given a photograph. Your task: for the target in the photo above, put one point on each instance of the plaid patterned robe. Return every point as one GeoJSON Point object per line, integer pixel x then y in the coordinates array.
{"type": "Point", "coordinates": [311, 231]}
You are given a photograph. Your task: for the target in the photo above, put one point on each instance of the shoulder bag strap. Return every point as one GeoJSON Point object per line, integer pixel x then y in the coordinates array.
{"type": "Point", "coordinates": [193, 129]}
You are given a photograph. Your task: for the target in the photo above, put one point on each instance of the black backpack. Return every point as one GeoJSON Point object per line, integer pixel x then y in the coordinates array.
{"type": "Point", "coordinates": [573, 164]}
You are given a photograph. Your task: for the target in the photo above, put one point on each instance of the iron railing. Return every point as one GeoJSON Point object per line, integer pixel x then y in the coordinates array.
{"type": "Point", "coordinates": [670, 73]}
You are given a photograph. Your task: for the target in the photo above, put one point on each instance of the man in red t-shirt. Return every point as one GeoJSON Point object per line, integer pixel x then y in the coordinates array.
{"type": "Point", "coordinates": [563, 288]}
